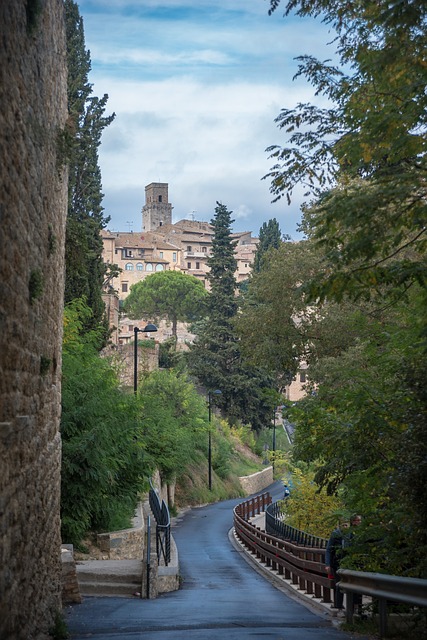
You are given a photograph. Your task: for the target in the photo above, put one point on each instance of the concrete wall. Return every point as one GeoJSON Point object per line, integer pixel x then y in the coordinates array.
{"type": "Point", "coordinates": [33, 200]}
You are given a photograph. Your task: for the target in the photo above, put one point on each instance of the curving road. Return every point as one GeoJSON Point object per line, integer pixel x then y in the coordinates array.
{"type": "Point", "coordinates": [221, 597]}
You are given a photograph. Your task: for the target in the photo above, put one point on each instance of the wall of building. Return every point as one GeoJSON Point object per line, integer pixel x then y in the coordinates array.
{"type": "Point", "coordinates": [33, 201]}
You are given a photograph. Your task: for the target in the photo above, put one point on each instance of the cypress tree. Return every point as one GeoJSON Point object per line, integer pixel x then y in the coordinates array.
{"type": "Point", "coordinates": [215, 357]}
{"type": "Point", "coordinates": [85, 270]}
{"type": "Point", "coordinates": [269, 237]}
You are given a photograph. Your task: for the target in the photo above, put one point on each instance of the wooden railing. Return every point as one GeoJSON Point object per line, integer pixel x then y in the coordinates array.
{"type": "Point", "coordinates": [303, 565]}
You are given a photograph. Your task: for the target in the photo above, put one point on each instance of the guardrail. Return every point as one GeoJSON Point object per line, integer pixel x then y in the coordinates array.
{"type": "Point", "coordinates": [383, 588]}
{"type": "Point", "coordinates": [304, 566]}
{"type": "Point", "coordinates": [301, 559]}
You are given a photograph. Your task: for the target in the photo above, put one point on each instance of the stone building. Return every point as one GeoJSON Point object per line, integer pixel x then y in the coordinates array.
{"type": "Point", "coordinates": [162, 245]}
{"type": "Point", "coordinates": [33, 204]}
{"type": "Point", "coordinates": [157, 210]}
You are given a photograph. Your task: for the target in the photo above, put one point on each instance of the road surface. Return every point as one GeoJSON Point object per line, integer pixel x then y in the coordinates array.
{"type": "Point", "coordinates": [221, 596]}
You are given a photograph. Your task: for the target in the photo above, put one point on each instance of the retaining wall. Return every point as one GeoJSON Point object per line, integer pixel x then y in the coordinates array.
{"type": "Point", "coordinates": [257, 481]}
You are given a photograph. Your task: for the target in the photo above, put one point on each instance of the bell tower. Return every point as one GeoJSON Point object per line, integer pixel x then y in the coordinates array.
{"type": "Point", "coordinates": [157, 211]}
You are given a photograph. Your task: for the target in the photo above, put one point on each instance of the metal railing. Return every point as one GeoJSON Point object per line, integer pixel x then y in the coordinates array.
{"type": "Point", "coordinates": [163, 526]}
{"type": "Point", "coordinates": [275, 525]}
{"type": "Point", "coordinates": [383, 588]}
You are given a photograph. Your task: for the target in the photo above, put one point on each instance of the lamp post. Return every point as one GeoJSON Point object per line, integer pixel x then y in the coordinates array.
{"type": "Point", "coordinates": [217, 392]}
{"type": "Point", "coordinates": [148, 329]}
{"type": "Point", "coordinates": [274, 436]}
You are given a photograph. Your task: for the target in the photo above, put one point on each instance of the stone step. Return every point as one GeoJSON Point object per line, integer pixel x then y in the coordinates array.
{"type": "Point", "coordinates": [109, 577]}
{"type": "Point", "coordinates": [118, 589]}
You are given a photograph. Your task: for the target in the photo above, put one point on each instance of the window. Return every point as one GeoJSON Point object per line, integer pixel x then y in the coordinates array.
{"type": "Point", "coordinates": [189, 248]}
{"type": "Point", "coordinates": [188, 265]}
{"type": "Point", "coordinates": [302, 376]}
{"type": "Point", "coordinates": [160, 198]}
{"type": "Point", "coordinates": [124, 287]}
{"type": "Point", "coordinates": [129, 266]}
{"type": "Point", "coordinates": [197, 265]}
{"type": "Point", "coordinates": [174, 256]}
{"type": "Point", "coordinates": [159, 267]}
{"type": "Point", "coordinates": [140, 266]}
{"type": "Point", "coordinates": [161, 254]}
{"type": "Point", "coordinates": [204, 249]}
{"type": "Point", "coordinates": [148, 266]}
{"type": "Point", "coordinates": [130, 328]}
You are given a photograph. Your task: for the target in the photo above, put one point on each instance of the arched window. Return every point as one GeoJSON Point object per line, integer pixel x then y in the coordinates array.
{"type": "Point", "coordinates": [148, 266]}
{"type": "Point", "coordinates": [159, 267]}
{"type": "Point", "coordinates": [139, 266]}
{"type": "Point", "coordinates": [129, 266]}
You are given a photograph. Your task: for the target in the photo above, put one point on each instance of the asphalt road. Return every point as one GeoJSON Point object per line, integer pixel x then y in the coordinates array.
{"type": "Point", "coordinates": [221, 596]}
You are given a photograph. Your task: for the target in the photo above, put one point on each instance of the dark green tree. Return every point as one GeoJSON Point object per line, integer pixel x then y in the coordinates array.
{"type": "Point", "coordinates": [85, 270]}
{"type": "Point", "coordinates": [215, 357]}
{"type": "Point", "coordinates": [269, 238]}
{"type": "Point", "coordinates": [172, 295]}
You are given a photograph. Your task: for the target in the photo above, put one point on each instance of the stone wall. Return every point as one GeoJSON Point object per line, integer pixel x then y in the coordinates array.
{"type": "Point", "coordinates": [126, 544]}
{"type": "Point", "coordinates": [33, 200]}
{"type": "Point", "coordinates": [257, 481]}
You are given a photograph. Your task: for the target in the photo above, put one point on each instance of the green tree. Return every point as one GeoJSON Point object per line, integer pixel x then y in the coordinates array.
{"type": "Point", "coordinates": [363, 156]}
{"type": "Point", "coordinates": [174, 419]}
{"type": "Point", "coordinates": [103, 462]}
{"type": "Point", "coordinates": [171, 295]}
{"type": "Point", "coordinates": [215, 357]}
{"type": "Point", "coordinates": [361, 429]}
{"type": "Point", "coordinates": [85, 270]}
{"type": "Point", "coordinates": [269, 238]}
{"type": "Point", "coordinates": [275, 322]}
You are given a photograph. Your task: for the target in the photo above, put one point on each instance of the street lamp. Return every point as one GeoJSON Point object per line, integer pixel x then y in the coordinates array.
{"type": "Point", "coordinates": [217, 392]}
{"type": "Point", "coordinates": [274, 436]}
{"type": "Point", "coordinates": [148, 329]}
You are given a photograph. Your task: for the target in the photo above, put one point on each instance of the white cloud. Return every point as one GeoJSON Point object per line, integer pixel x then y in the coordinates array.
{"type": "Point", "coordinates": [196, 88]}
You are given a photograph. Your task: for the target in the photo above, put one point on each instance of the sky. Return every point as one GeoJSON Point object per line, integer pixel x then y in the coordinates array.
{"type": "Point", "coordinates": [196, 86]}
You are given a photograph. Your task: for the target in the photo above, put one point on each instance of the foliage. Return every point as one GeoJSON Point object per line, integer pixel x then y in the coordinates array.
{"type": "Point", "coordinates": [363, 156]}
{"type": "Point", "coordinates": [59, 630]}
{"type": "Point", "coordinates": [172, 295]}
{"type": "Point", "coordinates": [270, 323]}
{"type": "Point", "coordinates": [269, 238]}
{"type": "Point", "coordinates": [362, 428]}
{"type": "Point", "coordinates": [215, 357]}
{"type": "Point", "coordinates": [85, 270]}
{"type": "Point", "coordinates": [169, 357]}
{"type": "Point", "coordinates": [103, 462]}
{"type": "Point", "coordinates": [174, 422]}
{"type": "Point", "coordinates": [310, 508]}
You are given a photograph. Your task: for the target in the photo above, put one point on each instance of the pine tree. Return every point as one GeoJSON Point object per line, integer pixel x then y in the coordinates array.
{"type": "Point", "coordinates": [85, 270]}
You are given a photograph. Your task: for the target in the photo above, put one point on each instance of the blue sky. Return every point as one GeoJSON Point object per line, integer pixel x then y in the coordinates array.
{"type": "Point", "coordinates": [196, 86]}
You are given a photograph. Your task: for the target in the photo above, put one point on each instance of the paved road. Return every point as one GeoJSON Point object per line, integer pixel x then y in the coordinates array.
{"type": "Point", "coordinates": [222, 597]}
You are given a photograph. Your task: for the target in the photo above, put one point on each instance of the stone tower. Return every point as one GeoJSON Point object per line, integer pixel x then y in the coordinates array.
{"type": "Point", "coordinates": [157, 211]}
